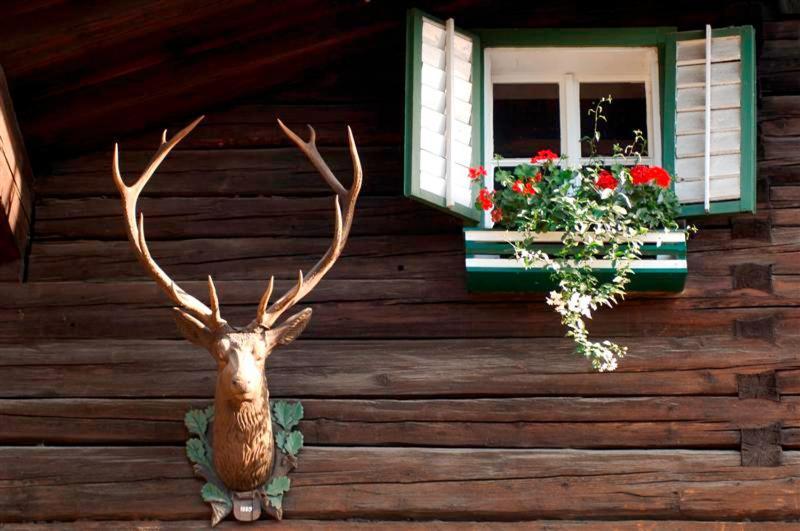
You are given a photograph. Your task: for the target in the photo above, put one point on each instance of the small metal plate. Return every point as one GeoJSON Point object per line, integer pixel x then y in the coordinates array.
{"type": "Point", "coordinates": [246, 506]}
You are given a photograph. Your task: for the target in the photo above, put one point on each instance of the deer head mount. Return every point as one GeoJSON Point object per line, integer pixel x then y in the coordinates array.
{"type": "Point", "coordinates": [242, 432]}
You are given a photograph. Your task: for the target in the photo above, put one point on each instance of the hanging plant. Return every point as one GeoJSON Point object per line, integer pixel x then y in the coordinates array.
{"type": "Point", "coordinates": [604, 211]}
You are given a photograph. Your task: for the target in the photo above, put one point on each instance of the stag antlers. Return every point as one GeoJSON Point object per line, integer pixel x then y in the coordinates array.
{"type": "Point", "coordinates": [188, 307]}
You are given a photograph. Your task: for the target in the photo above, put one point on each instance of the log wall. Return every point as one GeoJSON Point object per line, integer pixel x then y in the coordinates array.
{"type": "Point", "coordinates": [423, 402]}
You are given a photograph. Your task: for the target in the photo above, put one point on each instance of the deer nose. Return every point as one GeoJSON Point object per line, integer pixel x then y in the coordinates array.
{"type": "Point", "coordinates": [239, 383]}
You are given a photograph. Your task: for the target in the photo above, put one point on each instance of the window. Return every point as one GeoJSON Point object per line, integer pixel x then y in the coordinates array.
{"type": "Point", "coordinates": [471, 95]}
{"type": "Point", "coordinates": [538, 98]}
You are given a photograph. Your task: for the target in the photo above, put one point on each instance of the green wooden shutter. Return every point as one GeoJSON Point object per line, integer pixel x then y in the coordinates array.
{"type": "Point", "coordinates": [732, 121]}
{"type": "Point", "coordinates": [443, 114]}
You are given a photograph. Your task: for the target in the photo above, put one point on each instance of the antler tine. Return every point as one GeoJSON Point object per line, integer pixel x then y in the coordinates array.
{"type": "Point", "coordinates": [175, 293]}
{"type": "Point", "coordinates": [342, 223]}
{"type": "Point", "coordinates": [312, 153]}
{"type": "Point", "coordinates": [262, 305]}
{"type": "Point", "coordinates": [135, 231]}
{"type": "Point", "coordinates": [214, 301]}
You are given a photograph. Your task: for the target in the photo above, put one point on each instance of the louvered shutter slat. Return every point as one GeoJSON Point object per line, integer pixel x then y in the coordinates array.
{"type": "Point", "coordinates": [728, 153]}
{"type": "Point", "coordinates": [442, 127]}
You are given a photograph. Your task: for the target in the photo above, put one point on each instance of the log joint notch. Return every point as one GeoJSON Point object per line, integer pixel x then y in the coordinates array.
{"type": "Point", "coordinates": [760, 385]}
{"type": "Point", "coordinates": [758, 328]}
{"type": "Point", "coordinates": [760, 446]}
{"type": "Point", "coordinates": [752, 276]}
{"type": "Point", "coordinates": [752, 229]}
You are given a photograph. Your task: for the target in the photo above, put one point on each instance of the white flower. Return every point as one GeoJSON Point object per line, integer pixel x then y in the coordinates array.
{"type": "Point", "coordinates": [555, 299]}
{"type": "Point", "coordinates": [580, 304]}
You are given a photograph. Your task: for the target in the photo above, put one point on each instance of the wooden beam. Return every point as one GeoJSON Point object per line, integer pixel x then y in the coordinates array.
{"type": "Point", "coordinates": [39, 483]}
{"type": "Point", "coordinates": [15, 182]}
{"type": "Point", "coordinates": [492, 367]}
{"type": "Point", "coordinates": [424, 525]}
{"type": "Point", "coordinates": [556, 422]}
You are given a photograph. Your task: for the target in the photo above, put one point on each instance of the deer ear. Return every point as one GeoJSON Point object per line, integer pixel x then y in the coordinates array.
{"type": "Point", "coordinates": [292, 327]}
{"type": "Point", "coordinates": [193, 330]}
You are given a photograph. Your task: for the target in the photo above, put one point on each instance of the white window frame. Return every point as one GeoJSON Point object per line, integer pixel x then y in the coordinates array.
{"type": "Point", "coordinates": [569, 99]}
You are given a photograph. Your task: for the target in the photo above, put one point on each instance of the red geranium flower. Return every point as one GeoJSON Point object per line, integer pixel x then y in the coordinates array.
{"type": "Point", "coordinates": [606, 180]}
{"type": "Point", "coordinates": [485, 199]}
{"type": "Point", "coordinates": [543, 156]}
{"type": "Point", "coordinates": [476, 173]}
{"type": "Point", "coordinates": [497, 215]}
{"type": "Point", "coordinates": [538, 177]}
{"type": "Point", "coordinates": [523, 188]}
{"type": "Point", "coordinates": [640, 174]}
{"type": "Point", "coordinates": [529, 189]}
{"type": "Point", "coordinates": [659, 175]}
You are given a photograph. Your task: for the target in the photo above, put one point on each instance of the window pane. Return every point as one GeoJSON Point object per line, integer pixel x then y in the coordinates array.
{"type": "Point", "coordinates": [526, 119]}
{"type": "Point", "coordinates": [626, 112]}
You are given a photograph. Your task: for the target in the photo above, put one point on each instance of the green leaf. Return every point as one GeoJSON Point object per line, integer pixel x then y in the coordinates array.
{"type": "Point", "coordinates": [196, 422]}
{"type": "Point", "coordinates": [293, 443]}
{"type": "Point", "coordinates": [287, 415]}
{"type": "Point", "coordinates": [278, 486]}
{"type": "Point", "coordinates": [220, 501]}
{"type": "Point", "coordinates": [212, 493]}
{"type": "Point", "coordinates": [280, 439]}
{"type": "Point", "coordinates": [276, 501]}
{"type": "Point", "coordinates": [196, 451]}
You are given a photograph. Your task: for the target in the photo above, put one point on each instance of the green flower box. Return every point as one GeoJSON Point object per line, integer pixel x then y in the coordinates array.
{"type": "Point", "coordinates": [492, 267]}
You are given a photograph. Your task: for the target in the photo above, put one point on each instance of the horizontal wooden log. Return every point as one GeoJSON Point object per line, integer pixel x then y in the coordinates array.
{"type": "Point", "coordinates": [377, 257]}
{"type": "Point", "coordinates": [55, 484]}
{"type": "Point", "coordinates": [226, 173]}
{"type": "Point", "coordinates": [184, 218]}
{"type": "Point", "coordinates": [648, 422]}
{"type": "Point", "coordinates": [253, 125]}
{"type": "Point", "coordinates": [779, 106]}
{"type": "Point", "coordinates": [390, 368]}
{"type": "Point", "coordinates": [781, 29]}
{"type": "Point", "coordinates": [181, 218]}
{"type": "Point", "coordinates": [425, 525]}
{"type": "Point", "coordinates": [783, 148]}
{"type": "Point", "coordinates": [370, 257]}
{"type": "Point", "coordinates": [396, 308]}
{"type": "Point", "coordinates": [780, 127]}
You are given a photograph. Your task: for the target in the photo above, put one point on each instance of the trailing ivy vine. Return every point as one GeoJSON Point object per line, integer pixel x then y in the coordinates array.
{"type": "Point", "coordinates": [288, 441]}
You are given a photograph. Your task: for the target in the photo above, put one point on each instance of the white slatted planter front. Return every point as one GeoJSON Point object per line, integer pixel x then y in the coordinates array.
{"type": "Point", "coordinates": [491, 265]}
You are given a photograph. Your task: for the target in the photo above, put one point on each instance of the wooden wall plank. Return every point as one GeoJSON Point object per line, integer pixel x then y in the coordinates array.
{"type": "Point", "coordinates": [426, 525]}
{"type": "Point", "coordinates": [713, 252]}
{"type": "Point", "coordinates": [378, 308]}
{"type": "Point", "coordinates": [396, 256]}
{"type": "Point", "coordinates": [253, 125]}
{"type": "Point", "coordinates": [219, 217]}
{"type": "Point", "coordinates": [225, 173]}
{"type": "Point", "coordinates": [16, 181]}
{"type": "Point", "coordinates": [420, 483]}
{"type": "Point", "coordinates": [648, 422]}
{"type": "Point", "coordinates": [381, 256]}
{"type": "Point", "coordinates": [705, 365]}
{"type": "Point", "coordinates": [198, 217]}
